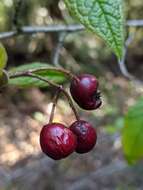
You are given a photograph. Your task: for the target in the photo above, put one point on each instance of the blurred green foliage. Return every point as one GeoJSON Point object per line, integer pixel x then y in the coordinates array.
{"type": "Point", "coordinates": [116, 126]}
{"type": "Point", "coordinates": [3, 57]}
{"type": "Point", "coordinates": [36, 12]}
{"type": "Point", "coordinates": [132, 134]}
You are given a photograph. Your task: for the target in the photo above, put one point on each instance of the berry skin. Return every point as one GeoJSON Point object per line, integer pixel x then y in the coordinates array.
{"type": "Point", "coordinates": [57, 141]}
{"type": "Point", "coordinates": [84, 90]}
{"type": "Point", "coordinates": [86, 136]}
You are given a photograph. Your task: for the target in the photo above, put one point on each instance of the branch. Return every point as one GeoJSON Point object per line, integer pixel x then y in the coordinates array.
{"type": "Point", "coordinates": [122, 64]}
{"type": "Point", "coordinates": [56, 52]}
{"type": "Point", "coordinates": [56, 28]}
{"type": "Point", "coordinates": [4, 35]}
{"type": "Point", "coordinates": [28, 30]}
{"type": "Point", "coordinates": [135, 23]}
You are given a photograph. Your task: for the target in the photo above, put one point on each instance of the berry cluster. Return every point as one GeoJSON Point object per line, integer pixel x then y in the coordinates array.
{"type": "Point", "coordinates": [58, 141]}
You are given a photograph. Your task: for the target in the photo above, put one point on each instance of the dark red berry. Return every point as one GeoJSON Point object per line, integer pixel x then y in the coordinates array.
{"type": "Point", "coordinates": [84, 90]}
{"type": "Point", "coordinates": [57, 141]}
{"type": "Point", "coordinates": [86, 136]}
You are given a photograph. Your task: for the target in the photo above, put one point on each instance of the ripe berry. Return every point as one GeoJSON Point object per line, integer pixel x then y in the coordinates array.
{"type": "Point", "coordinates": [84, 90]}
{"type": "Point", "coordinates": [86, 136]}
{"type": "Point", "coordinates": [57, 141]}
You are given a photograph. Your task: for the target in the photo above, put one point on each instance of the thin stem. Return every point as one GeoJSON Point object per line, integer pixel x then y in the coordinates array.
{"type": "Point", "coordinates": [55, 99]}
{"type": "Point", "coordinates": [71, 104]}
{"type": "Point", "coordinates": [57, 50]}
{"type": "Point", "coordinates": [29, 74]}
{"type": "Point", "coordinates": [66, 72]}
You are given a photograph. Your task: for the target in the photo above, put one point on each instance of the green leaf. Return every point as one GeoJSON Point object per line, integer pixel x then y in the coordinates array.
{"type": "Point", "coordinates": [103, 17]}
{"type": "Point", "coordinates": [46, 71]}
{"type": "Point", "coordinates": [132, 134]}
{"type": "Point", "coordinates": [3, 57]}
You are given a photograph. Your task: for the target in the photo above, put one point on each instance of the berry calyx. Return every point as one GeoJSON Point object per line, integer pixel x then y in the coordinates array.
{"type": "Point", "coordinates": [84, 90]}
{"type": "Point", "coordinates": [86, 136]}
{"type": "Point", "coordinates": [57, 141]}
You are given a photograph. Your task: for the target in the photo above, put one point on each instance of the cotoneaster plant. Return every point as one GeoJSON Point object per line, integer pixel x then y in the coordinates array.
{"type": "Point", "coordinates": [56, 140]}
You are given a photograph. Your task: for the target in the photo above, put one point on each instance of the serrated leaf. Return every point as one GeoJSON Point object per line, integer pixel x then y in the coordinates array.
{"type": "Point", "coordinates": [3, 57]}
{"type": "Point", "coordinates": [132, 134]}
{"type": "Point", "coordinates": [103, 17]}
{"type": "Point", "coordinates": [53, 75]}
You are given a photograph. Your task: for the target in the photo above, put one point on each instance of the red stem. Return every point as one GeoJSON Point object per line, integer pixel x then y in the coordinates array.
{"type": "Point", "coordinates": [55, 99]}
